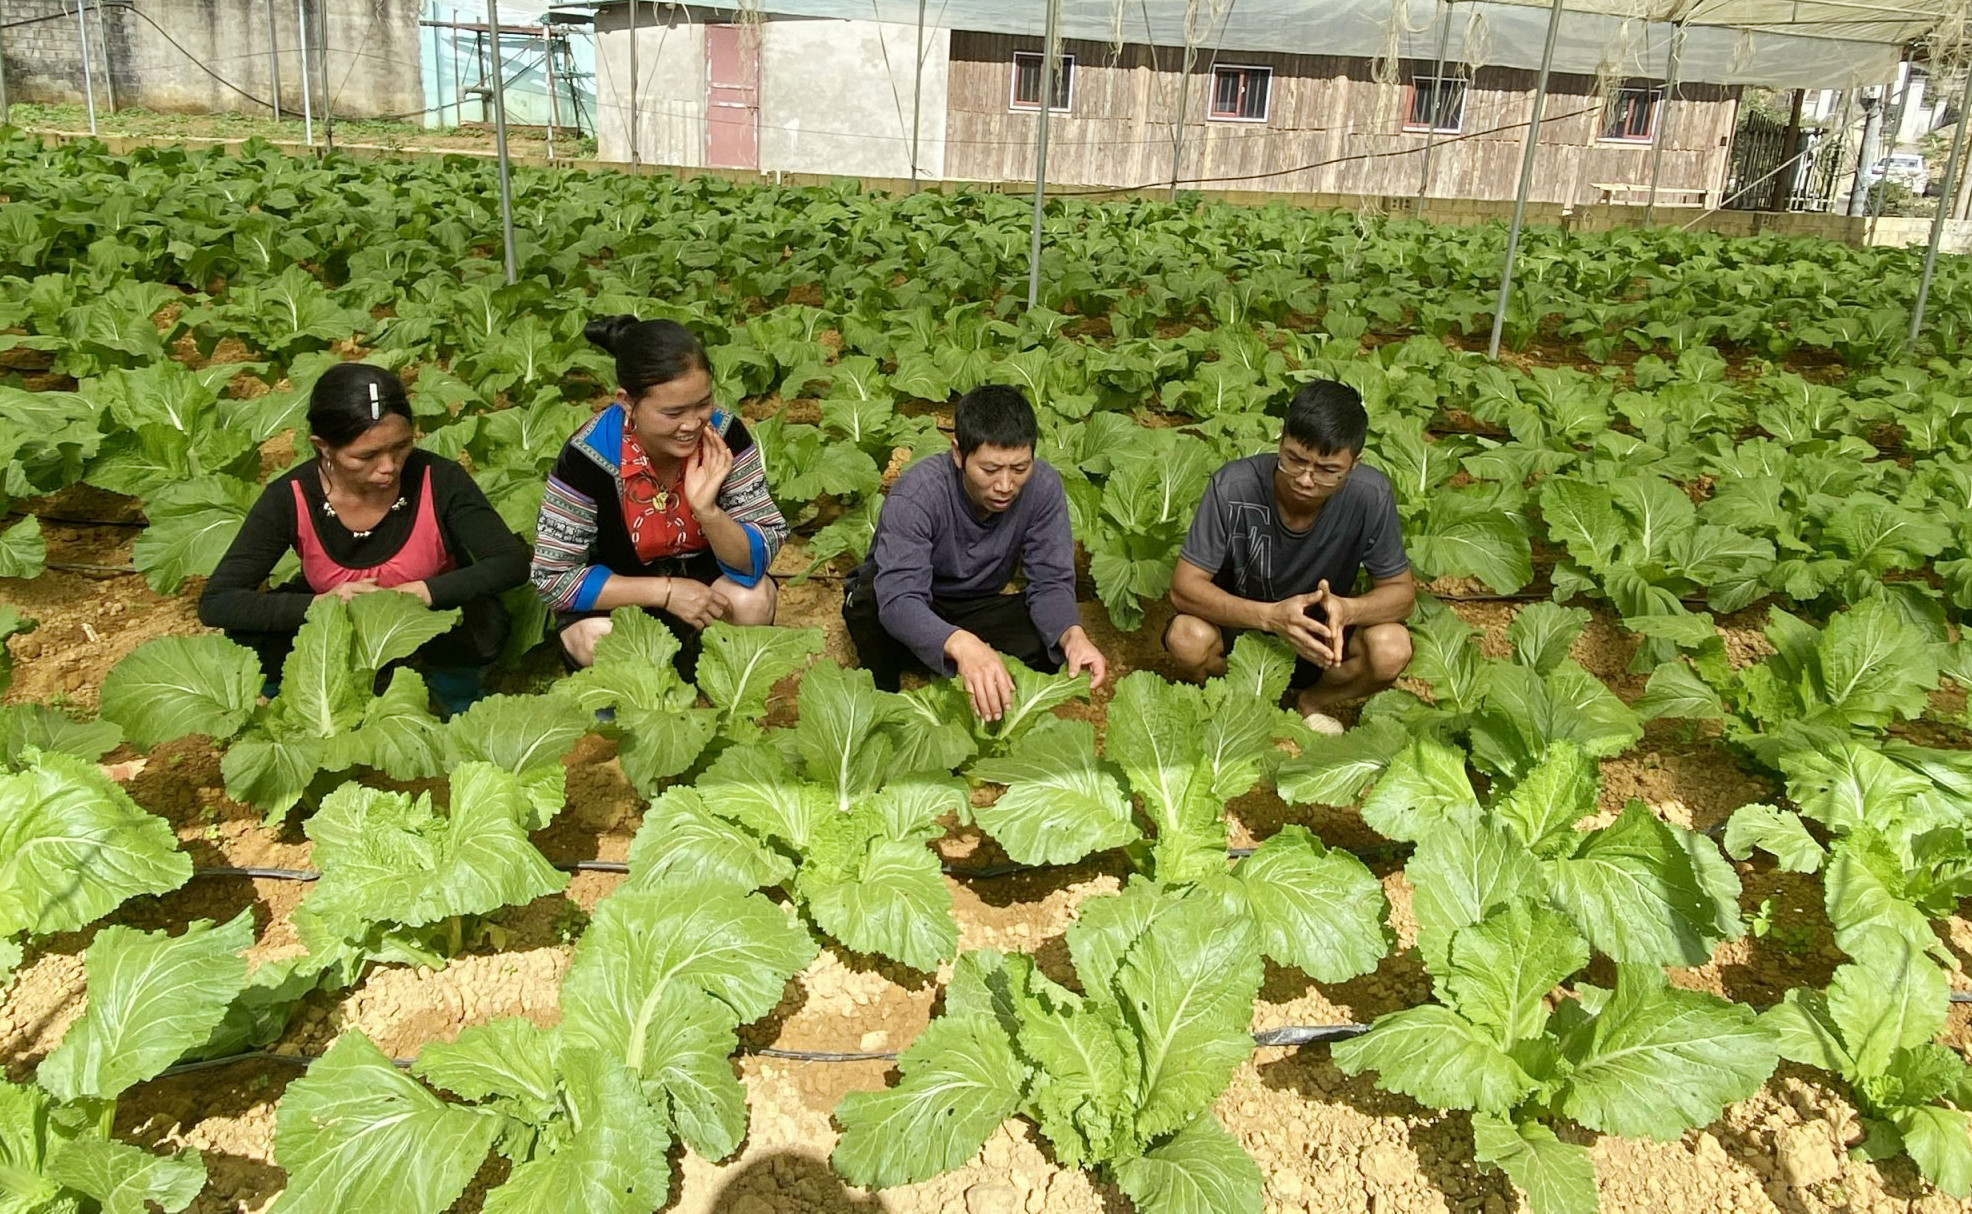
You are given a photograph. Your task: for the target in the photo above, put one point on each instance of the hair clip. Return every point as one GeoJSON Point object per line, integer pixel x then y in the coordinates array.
{"type": "Point", "coordinates": [376, 408]}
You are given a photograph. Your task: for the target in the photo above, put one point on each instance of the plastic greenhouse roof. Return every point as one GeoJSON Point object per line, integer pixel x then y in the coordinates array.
{"type": "Point", "coordinates": [1777, 43]}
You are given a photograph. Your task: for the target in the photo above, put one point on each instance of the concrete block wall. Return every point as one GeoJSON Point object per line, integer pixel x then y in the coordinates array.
{"type": "Point", "coordinates": [186, 55]}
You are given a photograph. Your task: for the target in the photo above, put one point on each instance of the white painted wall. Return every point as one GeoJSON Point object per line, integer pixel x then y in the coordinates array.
{"type": "Point", "coordinates": [670, 86]}
{"type": "Point", "coordinates": [835, 97]}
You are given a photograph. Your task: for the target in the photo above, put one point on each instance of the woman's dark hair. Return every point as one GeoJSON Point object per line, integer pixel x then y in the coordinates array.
{"type": "Point", "coordinates": [349, 398]}
{"type": "Point", "coordinates": [647, 352]}
{"type": "Point", "coordinates": [993, 416]}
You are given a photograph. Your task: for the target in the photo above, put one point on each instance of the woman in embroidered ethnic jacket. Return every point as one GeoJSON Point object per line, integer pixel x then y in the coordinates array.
{"type": "Point", "coordinates": [658, 502]}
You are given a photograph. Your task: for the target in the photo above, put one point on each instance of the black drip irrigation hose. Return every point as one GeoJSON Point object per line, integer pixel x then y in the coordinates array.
{"type": "Point", "coordinates": [1285, 1036]}
{"type": "Point", "coordinates": [985, 873]}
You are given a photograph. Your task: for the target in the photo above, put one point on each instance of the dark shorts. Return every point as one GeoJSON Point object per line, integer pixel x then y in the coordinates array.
{"type": "Point", "coordinates": [1306, 674]}
{"type": "Point", "coordinates": [701, 567]}
{"type": "Point", "coordinates": [1000, 620]}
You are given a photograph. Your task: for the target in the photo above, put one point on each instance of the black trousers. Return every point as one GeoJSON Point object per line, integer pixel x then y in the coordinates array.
{"type": "Point", "coordinates": [701, 567]}
{"type": "Point", "coordinates": [476, 640]}
{"type": "Point", "coordinates": [1000, 620]}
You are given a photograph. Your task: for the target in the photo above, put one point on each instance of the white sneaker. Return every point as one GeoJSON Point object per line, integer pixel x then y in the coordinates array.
{"type": "Point", "coordinates": [1325, 725]}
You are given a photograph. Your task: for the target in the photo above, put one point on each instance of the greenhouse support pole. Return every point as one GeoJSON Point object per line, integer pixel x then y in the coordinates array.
{"type": "Point", "coordinates": [548, 65]}
{"type": "Point", "coordinates": [88, 79]}
{"type": "Point", "coordinates": [109, 77]}
{"type": "Point", "coordinates": [1664, 123]}
{"type": "Point", "coordinates": [1893, 122]}
{"type": "Point", "coordinates": [273, 61]}
{"type": "Point", "coordinates": [6, 107]}
{"type": "Point", "coordinates": [1437, 103]}
{"type": "Point", "coordinates": [328, 80]}
{"type": "Point", "coordinates": [1050, 67]}
{"type": "Point", "coordinates": [635, 158]}
{"type": "Point", "coordinates": [1526, 179]}
{"type": "Point", "coordinates": [500, 139]}
{"type": "Point", "coordinates": [1953, 167]}
{"type": "Point", "coordinates": [307, 101]}
{"type": "Point", "coordinates": [917, 99]}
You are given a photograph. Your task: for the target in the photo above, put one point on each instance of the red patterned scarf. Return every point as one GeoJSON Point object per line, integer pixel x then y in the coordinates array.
{"type": "Point", "coordinates": [656, 515]}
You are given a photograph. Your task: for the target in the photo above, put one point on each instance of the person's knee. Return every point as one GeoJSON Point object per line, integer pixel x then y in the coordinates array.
{"type": "Point", "coordinates": [579, 640]}
{"type": "Point", "coordinates": [1386, 651]}
{"type": "Point", "coordinates": [1193, 643]}
{"type": "Point", "coordinates": [752, 605]}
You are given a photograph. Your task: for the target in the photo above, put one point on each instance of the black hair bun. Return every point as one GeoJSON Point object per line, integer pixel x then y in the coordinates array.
{"type": "Point", "coordinates": [607, 331]}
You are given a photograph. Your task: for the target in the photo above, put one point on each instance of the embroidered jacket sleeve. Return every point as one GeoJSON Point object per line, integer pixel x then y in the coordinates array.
{"type": "Point", "coordinates": [563, 573]}
{"type": "Point", "coordinates": [745, 498]}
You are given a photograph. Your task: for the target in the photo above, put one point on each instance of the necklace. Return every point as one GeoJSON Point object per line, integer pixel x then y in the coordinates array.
{"type": "Point", "coordinates": [331, 510]}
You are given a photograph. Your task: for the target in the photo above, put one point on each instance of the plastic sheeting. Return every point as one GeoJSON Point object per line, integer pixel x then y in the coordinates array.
{"type": "Point", "coordinates": [1830, 43]}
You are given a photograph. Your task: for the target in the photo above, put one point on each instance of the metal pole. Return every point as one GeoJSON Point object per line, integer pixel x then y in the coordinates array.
{"type": "Point", "coordinates": [1437, 103]}
{"type": "Point", "coordinates": [1184, 103]}
{"type": "Point", "coordinates": [500, 138]}
{"type": "Point", "coordinates": [1944, 208]}
{"type": "Point", "coordinates": [1526, 179]}
{"type": "Point", "coordinates": [88, 80]}
{"type": "Point", "coordinates": [917, 99]}
{"type": "Point", "coordinates": [109, 76]}
{"type": "Point", "coordinates": [548, 65]}
{"type": "Point", "coordinates": [1664, 123]}
{"type": "Point", "coordinates": [273, 61]}
{"type": "Point", "coordinates": [328, 79]}
{"type": "Point", "coordinates": [636, 158]}
{"type": "Point", "coordinates": [6, 106]}
{"type": "Point", "coordinates": [307, 100]}
{"type": "Point", "coordinates": [1050, 66]}
{"type": "Point", "coordinates": [1894, 122]}
{"type": "Point", "coordinates": [1872, 126]}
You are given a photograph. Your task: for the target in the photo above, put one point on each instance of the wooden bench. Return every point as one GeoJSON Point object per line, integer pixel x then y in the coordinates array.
{"type": "Point", "coordinates": [1627, 192]}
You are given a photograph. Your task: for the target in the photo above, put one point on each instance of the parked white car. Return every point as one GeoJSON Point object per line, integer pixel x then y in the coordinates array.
{"type": "Point", "coordinates": [1905, 168]}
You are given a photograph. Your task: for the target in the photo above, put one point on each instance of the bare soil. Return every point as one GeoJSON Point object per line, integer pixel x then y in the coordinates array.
{"type": "Point", "coordinates": [1327, 1143]}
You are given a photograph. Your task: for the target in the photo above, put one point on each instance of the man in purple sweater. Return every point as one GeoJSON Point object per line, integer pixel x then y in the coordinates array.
{"type": "Point", "coordinates": [952, 532]}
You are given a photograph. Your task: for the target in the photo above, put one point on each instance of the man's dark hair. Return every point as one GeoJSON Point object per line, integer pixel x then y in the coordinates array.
{"type": "Point", "coordinates": [993, 416]}
{"type": "Point", "coordinates": [1326, 417]}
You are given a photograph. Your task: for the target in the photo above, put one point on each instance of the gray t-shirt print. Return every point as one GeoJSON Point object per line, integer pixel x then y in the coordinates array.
{"type": "Point", "coordinates": [1236, 536]}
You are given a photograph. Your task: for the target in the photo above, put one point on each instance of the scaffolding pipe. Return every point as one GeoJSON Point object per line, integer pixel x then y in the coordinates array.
{"type": "Point", "coordinates": [917, 99]}
{"type": "Point", "coordinates": [307, 100]}
{"type": "Point", "coordinates": [500, 140]}
{"type": "Point", "coordinates": [1952, 168]}
{"type": "Point", "coordinates": [635, 99]}
{"type": "Point", "coordinates": [1050, 66]}
{"type": "Point", "coordinates": [1664, 123]}
{"type": "Point", "coordinates": [88, 78]}
{"type": "Point", "coordinates": [1526, 179]}
{"type": "Point", "coordinates": [1437, 103]}
{"type": "Point", "coordinates": [273, 62]}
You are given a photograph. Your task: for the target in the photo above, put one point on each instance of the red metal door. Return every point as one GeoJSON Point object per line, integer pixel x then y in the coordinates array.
{"type": "Point", "coordinates": [732, 96]}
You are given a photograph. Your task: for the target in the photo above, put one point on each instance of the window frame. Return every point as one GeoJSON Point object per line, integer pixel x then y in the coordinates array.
{"type": "Point", "coordinates": [1016, 105]}
{"type": "Point", "coordinates": [1653, 114]}
{"type": "Point", "coordinates": [1212, 113]}
{"type": "Point", "coordinates": [1464, 84]}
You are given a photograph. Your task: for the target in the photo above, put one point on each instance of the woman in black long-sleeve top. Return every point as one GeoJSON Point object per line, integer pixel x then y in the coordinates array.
{"type": "Point", "coordinates": [371, 512]}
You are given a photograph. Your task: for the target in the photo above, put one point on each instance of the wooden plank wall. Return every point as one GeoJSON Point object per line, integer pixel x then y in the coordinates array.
{"type": "Point", "coordinates": [1330, 128]}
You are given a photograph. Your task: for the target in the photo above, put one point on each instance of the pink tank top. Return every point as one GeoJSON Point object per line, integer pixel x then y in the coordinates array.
{"type": "Point", "coordinates": [422, 556]}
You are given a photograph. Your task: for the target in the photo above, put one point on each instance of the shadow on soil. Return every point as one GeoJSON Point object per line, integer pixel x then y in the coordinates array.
{"type": "Point", "coordinates": [787, 1181]}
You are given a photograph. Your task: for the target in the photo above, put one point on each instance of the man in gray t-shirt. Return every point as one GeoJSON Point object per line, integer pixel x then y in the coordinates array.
{"type": "Point", "coordinates": [1276, 546]}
